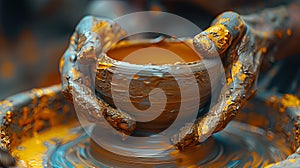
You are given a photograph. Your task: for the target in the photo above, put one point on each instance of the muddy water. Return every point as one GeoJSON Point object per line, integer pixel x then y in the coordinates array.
{"type": "Point", "coordinates": [239, 145]}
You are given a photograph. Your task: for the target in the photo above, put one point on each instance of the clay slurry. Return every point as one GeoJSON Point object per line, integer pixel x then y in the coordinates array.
{"type": "Point", "coordinates": [156, 54]}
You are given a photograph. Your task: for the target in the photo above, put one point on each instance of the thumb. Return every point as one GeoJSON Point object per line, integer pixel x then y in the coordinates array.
{"type": "Point", "coordinates": [216, 39]}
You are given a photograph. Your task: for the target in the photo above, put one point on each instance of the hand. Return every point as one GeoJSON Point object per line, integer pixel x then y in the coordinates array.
{"type": "Point", "coordinates": [91, 38]}
{"type": "Point", "coordinates": [242, 42]}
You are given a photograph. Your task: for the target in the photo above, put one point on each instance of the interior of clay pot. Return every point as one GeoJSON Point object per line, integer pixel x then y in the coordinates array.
{"type": "Point", "coordinates": [146, 52]}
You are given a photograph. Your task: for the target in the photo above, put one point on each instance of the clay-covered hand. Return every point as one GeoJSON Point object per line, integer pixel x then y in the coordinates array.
{"type": "Point", "coordinates": [92, 37]}
{"type": "Point", "coordinates": [242, 42]}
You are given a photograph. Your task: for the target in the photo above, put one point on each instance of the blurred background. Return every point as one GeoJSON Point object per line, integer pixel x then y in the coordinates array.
{"type": "Point", "coordinates": [35, 33]}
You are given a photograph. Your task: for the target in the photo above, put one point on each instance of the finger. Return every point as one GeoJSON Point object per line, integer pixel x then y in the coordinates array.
{"type": "Point", "coordinates": [186, 136]}
{"type": "Point", "coordinates": [95, 109]}
{"type": "Point", "coordinates": [220, 35]}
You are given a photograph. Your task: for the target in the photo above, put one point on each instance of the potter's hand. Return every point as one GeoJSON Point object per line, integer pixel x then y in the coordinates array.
{"type": "Point", "coordinates": [92, 37]}
{"type": "Point", "coordinates": [242, 42]}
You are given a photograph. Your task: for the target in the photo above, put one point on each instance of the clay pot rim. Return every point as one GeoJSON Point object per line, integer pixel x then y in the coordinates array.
{"type": "Point", "coordinates": [201, 65]}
